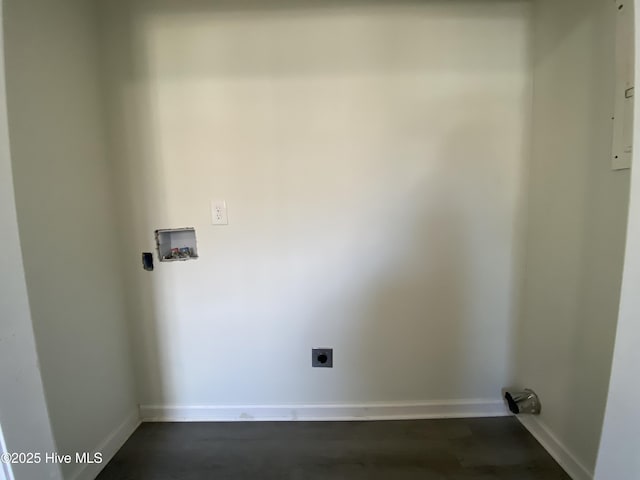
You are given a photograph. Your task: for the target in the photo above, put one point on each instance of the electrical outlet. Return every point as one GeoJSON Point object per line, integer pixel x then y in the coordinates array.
{"type": "Point", "coordinates": [322, 357]}
{"type": "Point", "coordinates": [219, 212]}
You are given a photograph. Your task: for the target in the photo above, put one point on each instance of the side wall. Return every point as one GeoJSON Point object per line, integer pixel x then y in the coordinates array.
{"type": "Point", "coordinates": [67, 224]}
{"type": "Point", "coordinates": [576, 231]}
{"type": "Point", "coordinates": [24, 420]}
{"type": "Point", "coordinates": [373, 181]}
{"type": "Point", "coordinates": [618, 456]}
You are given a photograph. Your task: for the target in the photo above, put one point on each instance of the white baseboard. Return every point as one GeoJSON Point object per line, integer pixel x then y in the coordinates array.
{"type": "Point", "coordinates": [323, 412]}
{"type": "Point", "coordinates": [108, 447]}
{"type": "Point", "coordinates": [574, 468]}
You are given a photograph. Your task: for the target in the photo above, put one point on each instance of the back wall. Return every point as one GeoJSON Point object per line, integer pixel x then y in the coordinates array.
{"type": "Point", "coordinates": [372, 160]}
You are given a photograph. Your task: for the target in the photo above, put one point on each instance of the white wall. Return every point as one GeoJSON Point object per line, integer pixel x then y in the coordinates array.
{"type": "Point", "coordinates": [372, 159]}
{"type": "Point", "coordinates": [67, 224]}
{"type": "Point", "coordinates": [24, 420]}
{"type": "Point", "coordinates": [576, 229]}
{"type": "Point", "coordinates": [619, 455]}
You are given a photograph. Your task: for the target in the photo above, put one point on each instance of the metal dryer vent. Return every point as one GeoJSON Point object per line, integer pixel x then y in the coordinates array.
{"type": "Point", "coordinates": [525, 401]}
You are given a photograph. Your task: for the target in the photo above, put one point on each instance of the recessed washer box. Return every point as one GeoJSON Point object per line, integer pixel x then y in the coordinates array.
{"type": "Point", "coordinates": [176, 244]}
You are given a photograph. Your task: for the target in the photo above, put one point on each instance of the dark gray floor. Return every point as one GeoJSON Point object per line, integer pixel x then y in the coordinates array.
{"type": "Point", "coordinates": [452, 449]}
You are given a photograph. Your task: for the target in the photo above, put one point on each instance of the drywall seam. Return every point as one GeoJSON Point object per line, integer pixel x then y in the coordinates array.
{"type": "Point", "coordinates": [108, 447]}
{"type": "Point", "coordinates": [335, 412]}
{"type": "Point", "coordinates": [567, 460]}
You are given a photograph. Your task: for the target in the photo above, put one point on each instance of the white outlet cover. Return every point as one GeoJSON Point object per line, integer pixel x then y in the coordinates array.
{"type": "Point", "coordinates": [219, 212]}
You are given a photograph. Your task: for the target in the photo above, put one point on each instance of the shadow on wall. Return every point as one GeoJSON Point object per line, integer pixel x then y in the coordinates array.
{"type": "Point", "coordinates": [429, 305]}
{"type": "Point", "coordinates": [133, 150]}
{"type": "Point", "coordinates": [373, 191]}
